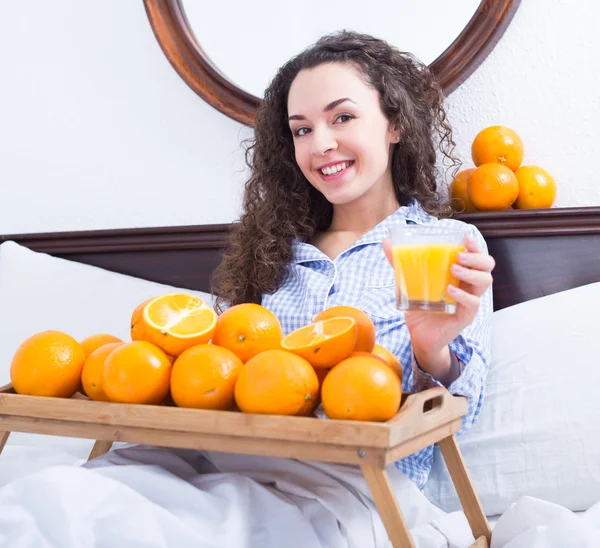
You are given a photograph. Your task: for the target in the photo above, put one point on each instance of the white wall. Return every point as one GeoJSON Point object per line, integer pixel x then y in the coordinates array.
{"type": "Point", "coordinates": [425, 28]}
{"type": "Point", "coordinates": [542, 79]}
{"type": "Point", "coordinates": [98, 131]}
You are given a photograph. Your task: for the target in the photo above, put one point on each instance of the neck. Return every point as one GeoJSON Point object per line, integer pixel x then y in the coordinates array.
{"type": "Point", "coordinates": [363, 214]}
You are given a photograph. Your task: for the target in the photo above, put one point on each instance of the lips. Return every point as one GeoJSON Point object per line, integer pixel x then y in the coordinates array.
{"type": "Point", "coordinates": [337, 174]}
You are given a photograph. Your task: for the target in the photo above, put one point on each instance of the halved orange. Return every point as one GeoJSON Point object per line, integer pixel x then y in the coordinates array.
{"type": "Point", "coordinates": [324, 343]}
{"type": "Point", "coordinates": [177, 321]}
{"type": "Point", "coordinates": [366, 328]}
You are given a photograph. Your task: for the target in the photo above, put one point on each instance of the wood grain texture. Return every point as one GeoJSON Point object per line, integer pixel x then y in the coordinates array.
{"type": "Point", "coordinates": [189, 440]}
{"type": "Point", "coordinates": [3, 439]}
{"type": "Point", "coordinates": [387, 506]}
{"type": "Point", "coordinates": [452, 67]}
{"type": "Point", "coordinates": [464, 488]}
{"type": "Point", "coordinates": [474, 43]}
{"type": "Point", "coordinates": [178, 43]}
{"type": "Point", "coordinates": [410, 421]}
{"type": "Point", "coordinates": [537, 252]}
{"type": "Point", "coordinates": [100, 448]}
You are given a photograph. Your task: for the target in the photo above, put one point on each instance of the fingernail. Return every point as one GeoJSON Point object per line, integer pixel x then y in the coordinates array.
{"type": "Point", "coordinates": [451, 289]}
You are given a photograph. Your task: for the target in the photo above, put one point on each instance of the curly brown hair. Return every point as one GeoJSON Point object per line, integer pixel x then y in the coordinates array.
{"type": "Point", "coordinates": [280, 205]}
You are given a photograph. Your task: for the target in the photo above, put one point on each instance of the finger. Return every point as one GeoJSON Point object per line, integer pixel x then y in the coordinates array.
{"type": "Point", "coordinates": [472, 244]}
{"type": "Point", "coordinates": [477, 261]}
{"type": "Point", "coordinates": [463, 298]}
{"type": "Point", "coordinates": [387, 249]}
{"type": "Point", "coordinates": [477, 280]}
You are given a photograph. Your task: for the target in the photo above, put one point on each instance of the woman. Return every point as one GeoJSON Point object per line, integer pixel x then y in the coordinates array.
{"type": "Point", "coordinates": [344, 147]}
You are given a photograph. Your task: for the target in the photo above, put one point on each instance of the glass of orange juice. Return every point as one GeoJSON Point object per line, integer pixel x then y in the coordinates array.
{"type": "Point", "coordinates": [422, 256]}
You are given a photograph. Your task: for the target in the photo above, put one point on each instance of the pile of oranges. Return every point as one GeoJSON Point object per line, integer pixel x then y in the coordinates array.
{"type": "Point", "coordinates": [499, 181]}
{"type": "Point", "coordinates": [181, 353]}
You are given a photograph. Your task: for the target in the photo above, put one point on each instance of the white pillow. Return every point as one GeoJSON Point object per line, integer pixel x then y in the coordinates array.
{"type": "Point", "coordinates": [539, 430]}
{"type": "Point", "coordinates": [39, 292]}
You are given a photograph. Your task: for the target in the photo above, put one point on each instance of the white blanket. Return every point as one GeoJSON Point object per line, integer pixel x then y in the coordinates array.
{"type": "Point", "coordinates": [152, 497]}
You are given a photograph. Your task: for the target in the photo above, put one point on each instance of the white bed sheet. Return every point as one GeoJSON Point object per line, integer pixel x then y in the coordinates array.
{"type": "Point", "coordinates": [150, 497]}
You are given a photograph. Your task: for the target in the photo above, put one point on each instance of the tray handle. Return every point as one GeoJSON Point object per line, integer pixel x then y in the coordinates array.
{"type": "Point", "coordinates": [433, 402]}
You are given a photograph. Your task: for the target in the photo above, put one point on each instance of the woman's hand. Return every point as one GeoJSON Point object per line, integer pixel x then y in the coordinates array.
{"type": "Point", "coordinates": [430, 333]}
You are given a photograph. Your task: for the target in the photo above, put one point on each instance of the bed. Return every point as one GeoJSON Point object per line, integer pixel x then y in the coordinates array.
{"type": "Point", "coordinates": [537, 252]}
{"type": "Point", "coordinates": [540, 255]}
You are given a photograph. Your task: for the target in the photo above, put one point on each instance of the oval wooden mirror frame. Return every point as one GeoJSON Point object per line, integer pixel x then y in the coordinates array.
{"type": "Point", "coordinates": [452, 67]}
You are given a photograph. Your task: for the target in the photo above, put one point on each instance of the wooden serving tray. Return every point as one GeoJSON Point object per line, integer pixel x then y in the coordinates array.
{"type": "Point", "coordinates": [424, 418]}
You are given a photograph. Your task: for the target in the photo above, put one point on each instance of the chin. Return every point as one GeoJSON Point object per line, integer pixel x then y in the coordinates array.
{"type": "Point", "coordinates": [342, 196]}
{"type": "Point", "coordinates": [338, 200]}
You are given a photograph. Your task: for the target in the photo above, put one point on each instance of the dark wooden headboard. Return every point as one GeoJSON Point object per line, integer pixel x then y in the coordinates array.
{"type": "Point", "coordinates": [537, 252]}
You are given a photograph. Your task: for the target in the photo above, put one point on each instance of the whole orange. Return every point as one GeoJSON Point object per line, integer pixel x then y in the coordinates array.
{"type": "Point", "coordinates": [277, 382]}
{"type": "Point", "coordinates": [137, 372]}
{"type": "Point", "coordinates": [136, 323]}
{"type": "Point", "coordinates": [366, 328]}
{"type": "Point", "coordinates": [204, 377]}
{"type": "Point", "coordinates": [48, 364]}
{"type": "Point", "coordinates": [359, 353]}
{"type": "Point", "coordinates": [93, 369]}
{"type": "Point", "coordinates": [389, 359]}
{"type": "Point", "coordinates": [537, 189]}
{"type": "Point", "coordinates": [247, 329]}
{"type": "Point", "coordinates": [497, 144]}
{"type": "Point", "coordinates": [92, 342]}
{"type": "Point", "coordinates": [492, 186]}
{"type": "Point", "coordinates": [457, 193]}
{"type": "Point", "coordinates": [361, 388]}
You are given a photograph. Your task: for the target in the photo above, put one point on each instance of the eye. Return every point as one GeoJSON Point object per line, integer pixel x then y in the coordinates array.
{"type": "Point", "coordinates": [299, 132]}
{"type": "Point", "coordinates": [343, 118]}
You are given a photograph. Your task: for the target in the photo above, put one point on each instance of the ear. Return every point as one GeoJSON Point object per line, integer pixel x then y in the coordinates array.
{"type": "Point", "coordinates": [395, 134]}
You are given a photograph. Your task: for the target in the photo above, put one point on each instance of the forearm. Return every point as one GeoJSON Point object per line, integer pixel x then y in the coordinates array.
{"type": "Point", "coordinates": [442, 365]}
{"type": "Point", "coordinates": [469, 369]}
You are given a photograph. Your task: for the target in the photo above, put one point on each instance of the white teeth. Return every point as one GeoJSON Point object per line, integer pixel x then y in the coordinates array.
{"type": "Point", "coordinates": [330, 170]}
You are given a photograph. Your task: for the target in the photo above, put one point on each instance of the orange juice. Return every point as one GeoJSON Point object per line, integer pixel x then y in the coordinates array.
{"type": "Point", "coordinates": [423, 274]}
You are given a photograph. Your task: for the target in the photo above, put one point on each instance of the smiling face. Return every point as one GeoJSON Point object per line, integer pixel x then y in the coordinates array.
{"type": "Point", "coordinates": [342, 139]}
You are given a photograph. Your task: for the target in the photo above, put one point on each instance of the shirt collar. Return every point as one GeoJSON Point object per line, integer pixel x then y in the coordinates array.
{"type": "Point", "coordinates": [412, 213]}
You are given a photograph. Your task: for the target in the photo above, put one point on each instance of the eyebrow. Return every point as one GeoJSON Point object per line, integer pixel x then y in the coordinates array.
{"type": "Point", "coordinates": [329, 107]}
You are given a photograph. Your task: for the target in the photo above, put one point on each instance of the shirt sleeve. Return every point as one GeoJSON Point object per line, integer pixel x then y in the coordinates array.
{"type": "Point", "coordinates": [472, 349]}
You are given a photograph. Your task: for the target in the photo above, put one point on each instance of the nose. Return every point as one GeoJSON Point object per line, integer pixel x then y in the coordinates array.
{"type": "Point", "coordinates": [323, 141]}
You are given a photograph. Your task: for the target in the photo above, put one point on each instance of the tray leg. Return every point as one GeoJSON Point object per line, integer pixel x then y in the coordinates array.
{"type": "Point", "coordinates": [464, 488]}
{"type": "Point", "coordinates": [100, 447]}
{"type": "Point", "coordinates": [387, 505]}
{"type": "Point", "coordinates": [3, 439]}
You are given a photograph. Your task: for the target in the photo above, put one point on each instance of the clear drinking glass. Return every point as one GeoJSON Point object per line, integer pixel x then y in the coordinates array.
{"type": "Point", "coordinates": [422, 257]}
